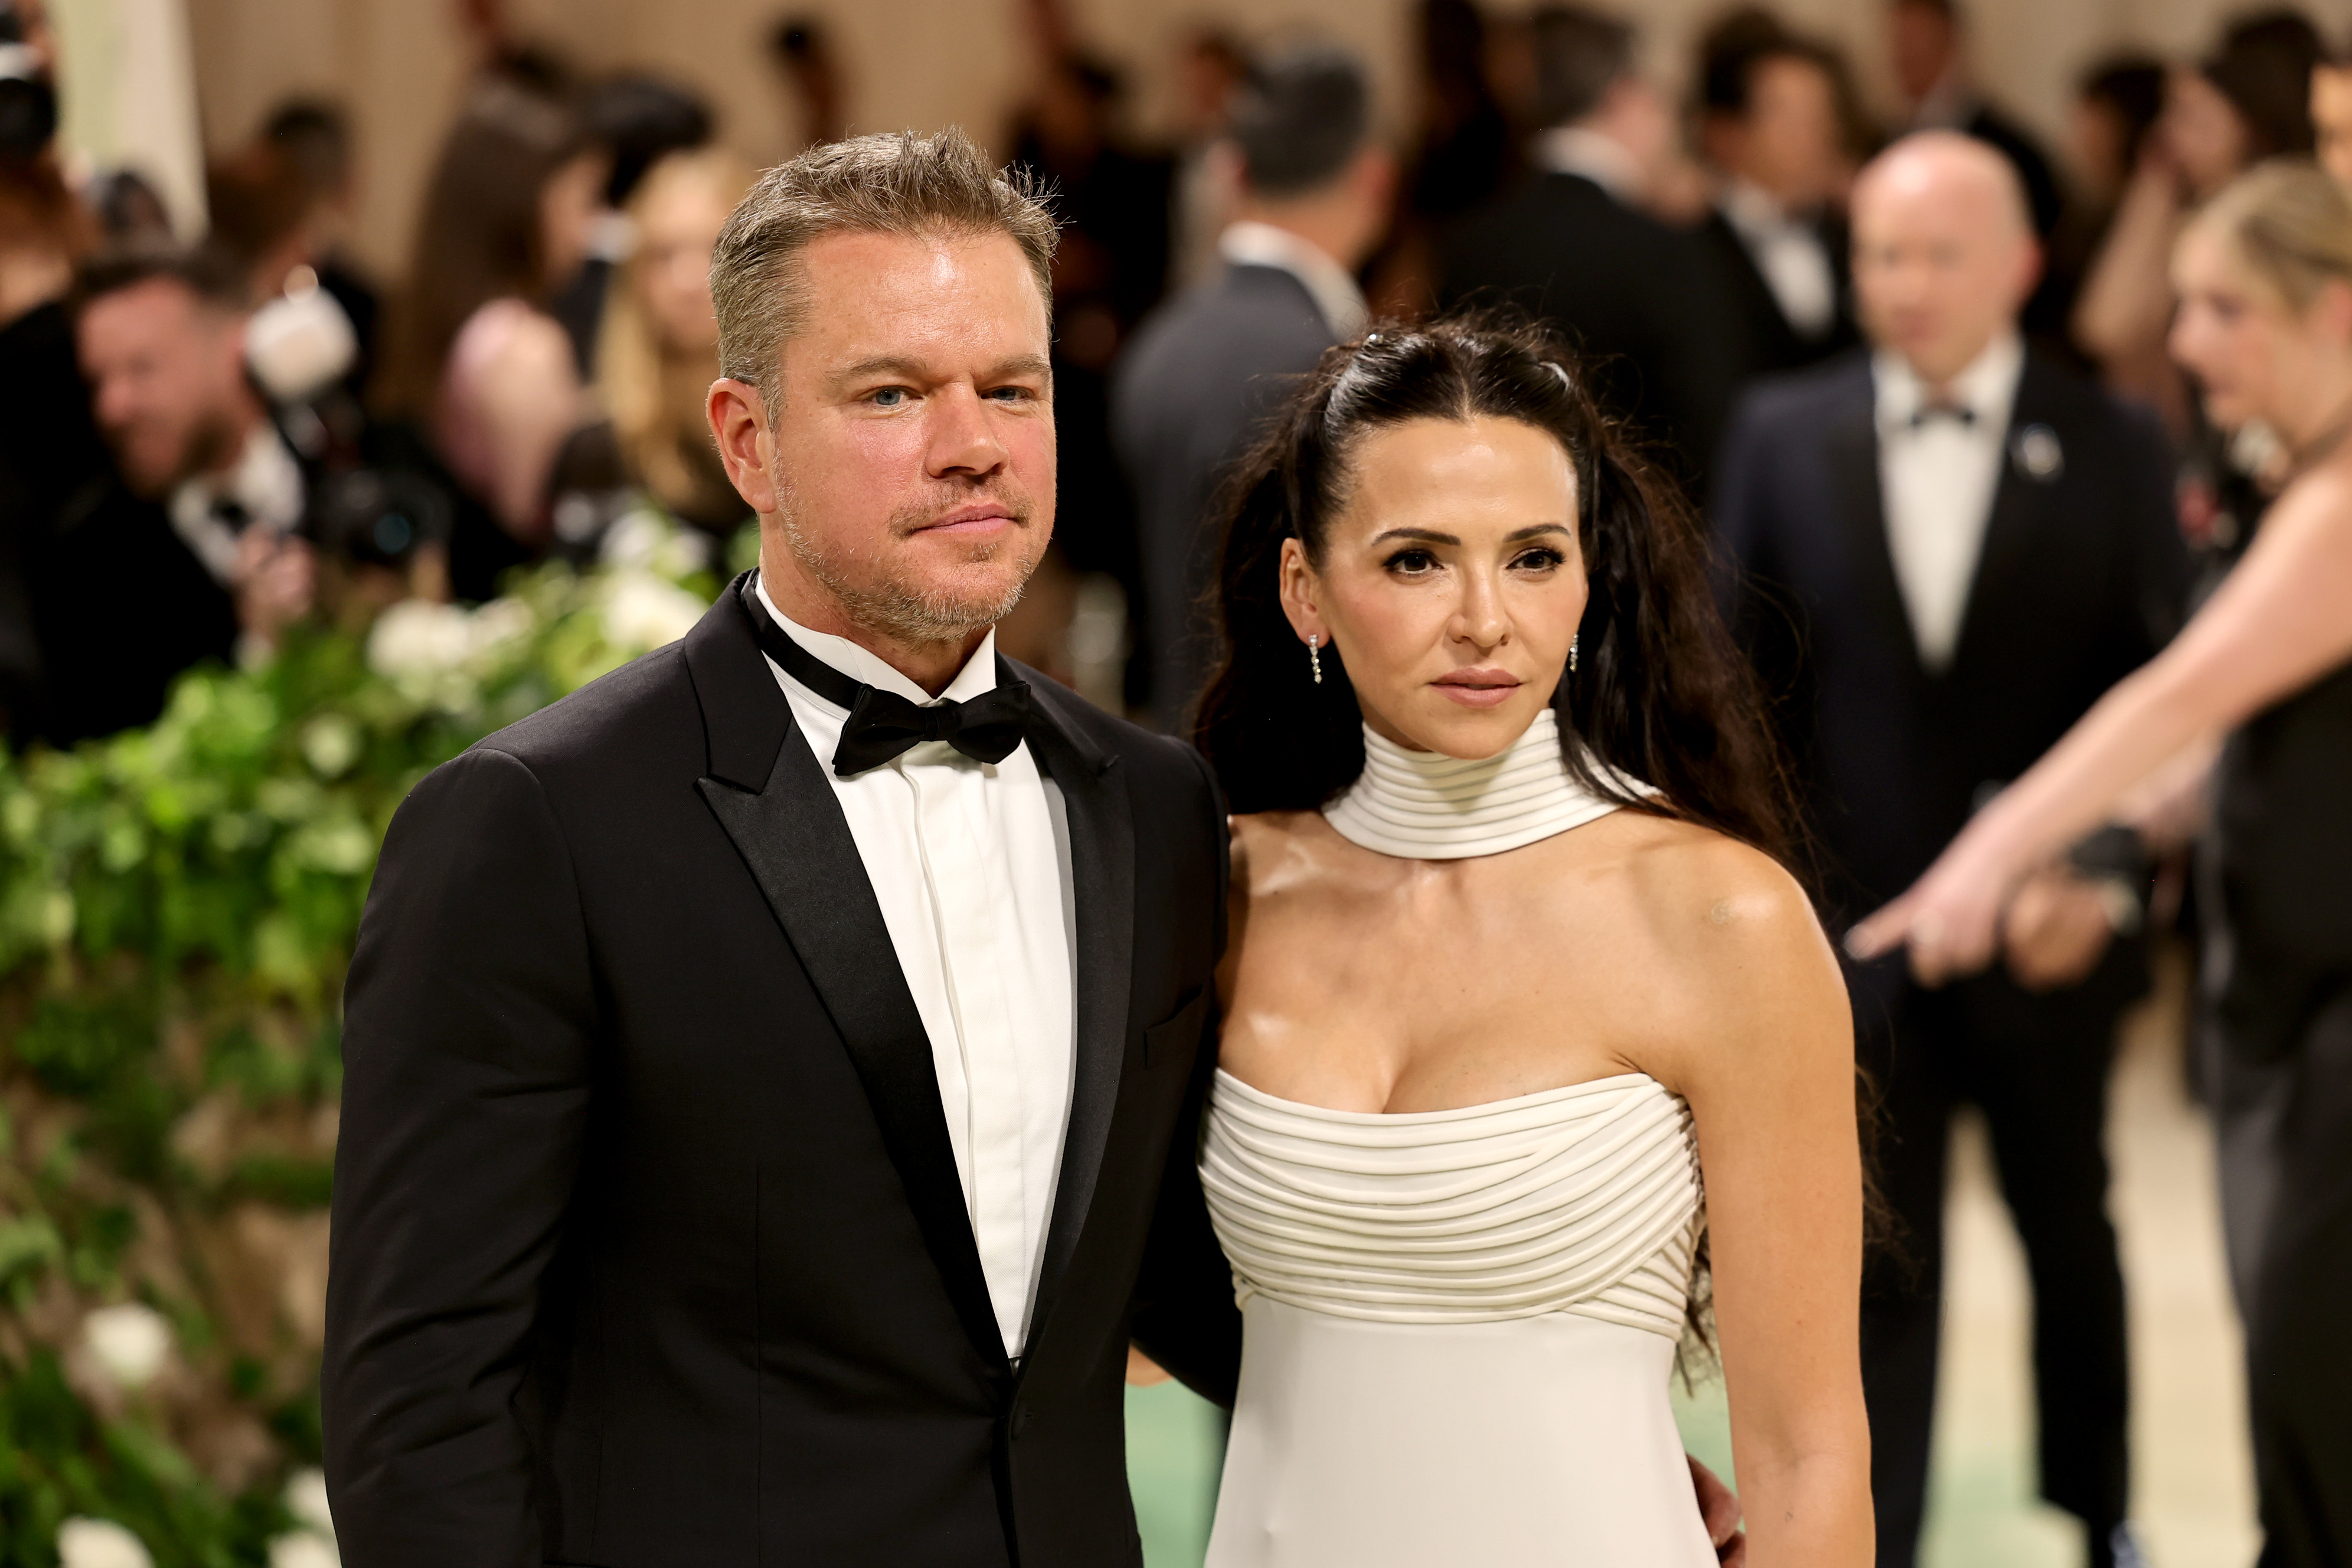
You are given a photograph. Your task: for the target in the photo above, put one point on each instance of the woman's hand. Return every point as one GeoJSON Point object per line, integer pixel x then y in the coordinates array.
{"type": "Point", "coordinates": [1950, 918]}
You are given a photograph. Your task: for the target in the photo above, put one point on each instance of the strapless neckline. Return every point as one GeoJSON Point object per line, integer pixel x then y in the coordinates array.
{"type": "Point", "coordinates": [1454, 1113]}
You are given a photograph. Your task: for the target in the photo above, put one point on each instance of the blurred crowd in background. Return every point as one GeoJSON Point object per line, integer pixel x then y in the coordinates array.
{"type": "Point", "coordinates": [210, 442]}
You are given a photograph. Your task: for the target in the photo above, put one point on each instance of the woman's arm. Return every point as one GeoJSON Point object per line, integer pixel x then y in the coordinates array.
{"type": "Point", "coordinates": [529, 399]}
{"type": "Point", "coordinates": [2127, 300]}
{"type": "Point", "coordinates": [1763, 1050]}
{"type": "Point", "coordinates": [2277, 623]}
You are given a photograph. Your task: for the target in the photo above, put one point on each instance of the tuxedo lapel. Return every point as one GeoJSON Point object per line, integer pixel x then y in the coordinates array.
{"type": "Point", "coordinates": [1852, 445]}
{"type": "Point", "coordinates": [2016, 522]}
{"type": "Point", "coordinates": [789, 828]}
{"type": "Point", "coordinates": [1102, 867]}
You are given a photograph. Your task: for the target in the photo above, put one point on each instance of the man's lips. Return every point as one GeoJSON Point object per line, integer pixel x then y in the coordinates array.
{"type": "Point", "coordinates": [984, 519]}
{"type": "Point", "coordinates": [1479, 687]}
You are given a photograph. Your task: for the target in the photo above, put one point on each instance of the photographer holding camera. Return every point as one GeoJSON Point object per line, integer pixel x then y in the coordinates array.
{"type": "Point", "coordinates": [191, 546]}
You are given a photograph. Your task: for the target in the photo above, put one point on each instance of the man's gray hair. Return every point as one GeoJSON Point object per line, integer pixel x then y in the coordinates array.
{"type": "Point", "coordinates": [1579, 55]}
{"type": "Point", "coordinates": [897, 183]}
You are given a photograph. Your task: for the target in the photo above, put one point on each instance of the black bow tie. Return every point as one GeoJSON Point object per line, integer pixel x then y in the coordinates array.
{"type": "Point", "coordinates": [882, 724]}
{"type": "Point", "coordinates": [1965, 416]}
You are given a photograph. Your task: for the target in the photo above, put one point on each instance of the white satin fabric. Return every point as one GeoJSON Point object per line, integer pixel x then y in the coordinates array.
{"type": "Point", "coordinates": [1459, 1329]}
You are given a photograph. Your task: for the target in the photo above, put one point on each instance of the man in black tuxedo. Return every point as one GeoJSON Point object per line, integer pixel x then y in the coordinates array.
{"type": "Point", "coordinates": [770, 1090]}
{"type": "Point", "coordinates": [1771, 128]}
{"type": "Point", "coordinates": [1208, 367]}
{"type": "Point", "coordinates": [1572, 245]}
{"type": "Point", "coordinates": [1949, 550]}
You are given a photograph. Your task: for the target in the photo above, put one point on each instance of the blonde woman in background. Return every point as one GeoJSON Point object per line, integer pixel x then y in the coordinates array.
{"type": "Point", "coordinates": [2264, 276]}
{"type": "Point", "coordinates": [658, 350]}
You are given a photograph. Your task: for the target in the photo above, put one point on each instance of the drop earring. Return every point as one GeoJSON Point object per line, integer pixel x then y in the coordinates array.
{"type": "Point", "coordinates": [1315, 659]}
{"type": "Point", "coordinates": [1571, 653]}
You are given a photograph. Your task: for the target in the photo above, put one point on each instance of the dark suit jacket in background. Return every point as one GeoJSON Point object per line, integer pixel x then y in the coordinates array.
{"type": "Point", "coordinates": [1202, 375]}
{"type": "Point", "coordinates": [2081, 579]}
{"type": "Point", "coordinates": [649, 1247]}
{"type": "Point", "coordinates": [102, 604]}
{"type": "Point", "coordinates": [1640, 299]}
{"type": "Point", "coordinates": [1768, 344]}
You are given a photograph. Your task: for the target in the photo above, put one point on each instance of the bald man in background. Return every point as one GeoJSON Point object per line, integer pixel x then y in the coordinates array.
{"type": "Point", "coordinates": [1950, 548]}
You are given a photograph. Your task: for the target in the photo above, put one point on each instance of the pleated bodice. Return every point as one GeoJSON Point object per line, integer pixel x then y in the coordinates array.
{"type": "Point", "coordinates": [1583, 1200]}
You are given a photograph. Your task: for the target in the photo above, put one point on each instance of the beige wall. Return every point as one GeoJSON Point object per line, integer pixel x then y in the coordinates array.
{"type": "Point", "coordinates": [399, 63]}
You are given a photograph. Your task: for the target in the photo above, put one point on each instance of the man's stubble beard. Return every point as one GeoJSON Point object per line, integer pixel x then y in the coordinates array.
{"type": "Point", "coordinates": [906, 611]}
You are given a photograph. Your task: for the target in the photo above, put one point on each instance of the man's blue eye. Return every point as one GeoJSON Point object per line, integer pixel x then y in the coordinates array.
{"type": "Point", "coordinates": [889, 396]}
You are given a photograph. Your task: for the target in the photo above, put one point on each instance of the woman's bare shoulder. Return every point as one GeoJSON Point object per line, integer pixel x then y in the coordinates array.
{"type": "Point", "coordinates": [1733, 938]}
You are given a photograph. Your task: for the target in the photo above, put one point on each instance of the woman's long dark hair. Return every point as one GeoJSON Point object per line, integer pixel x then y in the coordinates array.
{"type": "Point", "coordinates": [1661, 693]}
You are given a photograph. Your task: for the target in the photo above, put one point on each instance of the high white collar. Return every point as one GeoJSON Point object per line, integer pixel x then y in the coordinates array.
{"type": "Point", "coordinates": [1337, 300]}
{"type": "Point", "coordinates": [1424, 806]}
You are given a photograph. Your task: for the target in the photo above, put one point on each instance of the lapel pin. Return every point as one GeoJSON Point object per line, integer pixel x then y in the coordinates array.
{"type": "Point", "coordinates": [2037, 451]}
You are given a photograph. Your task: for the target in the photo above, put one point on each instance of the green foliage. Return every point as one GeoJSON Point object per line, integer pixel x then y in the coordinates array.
{"type": "Point", "coordinates": [177, 907]}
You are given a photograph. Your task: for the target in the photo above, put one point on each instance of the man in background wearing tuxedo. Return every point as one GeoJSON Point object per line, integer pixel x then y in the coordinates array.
{"type": "Point", "coordinates": [1949, 550]}
{"type": "Point", "coordinates": [1206, 368]}
{"type": "Point", "coordinates": [1769, 126]}
{"type": "Point", "coordinates": [1572, 244]}
{"type": "Point", "coordinates": [771, 1070]}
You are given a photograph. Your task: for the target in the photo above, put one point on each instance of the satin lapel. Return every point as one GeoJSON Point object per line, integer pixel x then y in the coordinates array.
{"type": "Point", "coordinates": [1102, 868]}
{"type": "Point", "coordinates": [795, 841]}
{"type": "Point", "coordinates": [1851, 443]}
{"type": "Point", "coordinates": [2016, 522]}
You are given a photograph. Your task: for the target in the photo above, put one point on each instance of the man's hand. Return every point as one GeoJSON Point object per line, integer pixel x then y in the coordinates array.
{"type": "Point", "coordinates": [277, 579]}
{"type": "Point", "coordinates": [2056, 930]}
{"type": "Point", "coordinates": [1719, 1508]}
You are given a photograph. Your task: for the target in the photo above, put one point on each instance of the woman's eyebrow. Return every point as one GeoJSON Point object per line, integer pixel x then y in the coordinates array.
{"type": "Point", "coordinates": [1431, 536]}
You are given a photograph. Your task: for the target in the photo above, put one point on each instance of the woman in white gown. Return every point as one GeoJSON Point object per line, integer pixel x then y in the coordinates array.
{"type": "Point", "coordinates": [1523, 1020]}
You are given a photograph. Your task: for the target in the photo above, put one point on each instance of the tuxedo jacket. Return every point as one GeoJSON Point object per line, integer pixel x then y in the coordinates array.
{"type": "Point", "coordinates": [649, 1247]}
{"type": "Point", "coordinates": [2081, 578]}
{"type": "Point", "coordinates": [1641, 301]}
{"type": "Point", "coordinates": [1204, 374]}
{"type": "Point", "coordinates": [1769, 344]}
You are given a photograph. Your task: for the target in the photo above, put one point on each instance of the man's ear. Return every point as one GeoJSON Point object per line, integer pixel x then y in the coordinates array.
{"type": "Point", "coordinates": [739, 425]}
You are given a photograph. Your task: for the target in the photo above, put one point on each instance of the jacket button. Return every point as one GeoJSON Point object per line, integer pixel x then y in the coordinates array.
{"type": "Point", "coordinates": [1020, 1422]}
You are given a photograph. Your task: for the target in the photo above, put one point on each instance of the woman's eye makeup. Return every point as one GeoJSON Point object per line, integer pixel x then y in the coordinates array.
{"type": "Point", "coordinates": [1412, 560]}
{"type": "Point", "coordinates": [1542, 559]}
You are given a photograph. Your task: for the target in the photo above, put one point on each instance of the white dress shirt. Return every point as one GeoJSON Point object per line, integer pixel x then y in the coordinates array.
{"type": "Point", "coordinates": [1787, 253]}
{"type": "Point", "coordinates": [263, 482]}
{"type": "Point", "coordinates": [1938, 475]}
{"type": "Point", "coordinates": [1332, 288]}
{"type": "Point", "coordinates": [970, 863]}
{"type": "Point", "coordinates": [1603, 160]}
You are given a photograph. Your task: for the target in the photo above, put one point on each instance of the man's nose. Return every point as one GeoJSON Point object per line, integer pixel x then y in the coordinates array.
{"type": "Point", "coordinates": [963, 439]}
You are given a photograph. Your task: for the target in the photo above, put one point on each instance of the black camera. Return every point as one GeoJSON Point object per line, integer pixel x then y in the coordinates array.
{"type": "Point", "coordinates": [29, 99]}
{"type": "Point", "coordinates": [299, 349]}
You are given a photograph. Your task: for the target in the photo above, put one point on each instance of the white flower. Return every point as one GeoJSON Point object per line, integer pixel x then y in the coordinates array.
{"type": "Point", "coordinates": [300, 1549]}
{"type": "Point", "coordinates": [128, 1341]}
{"type": "Point", "coordinates": [635, 540]}
{"type": "Point", "coordinates": [306, 1499]}
{"type": "Point", "coordinates": [643, 612]}
{"type": "Point", "coordinates": [100, 1543]}
{"type": "Point", "coordinates": [417, 636]}
{"type": "Point", "coordinates": [330, 744]}
{"type": "Point", "coordinates": [500, 620]}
